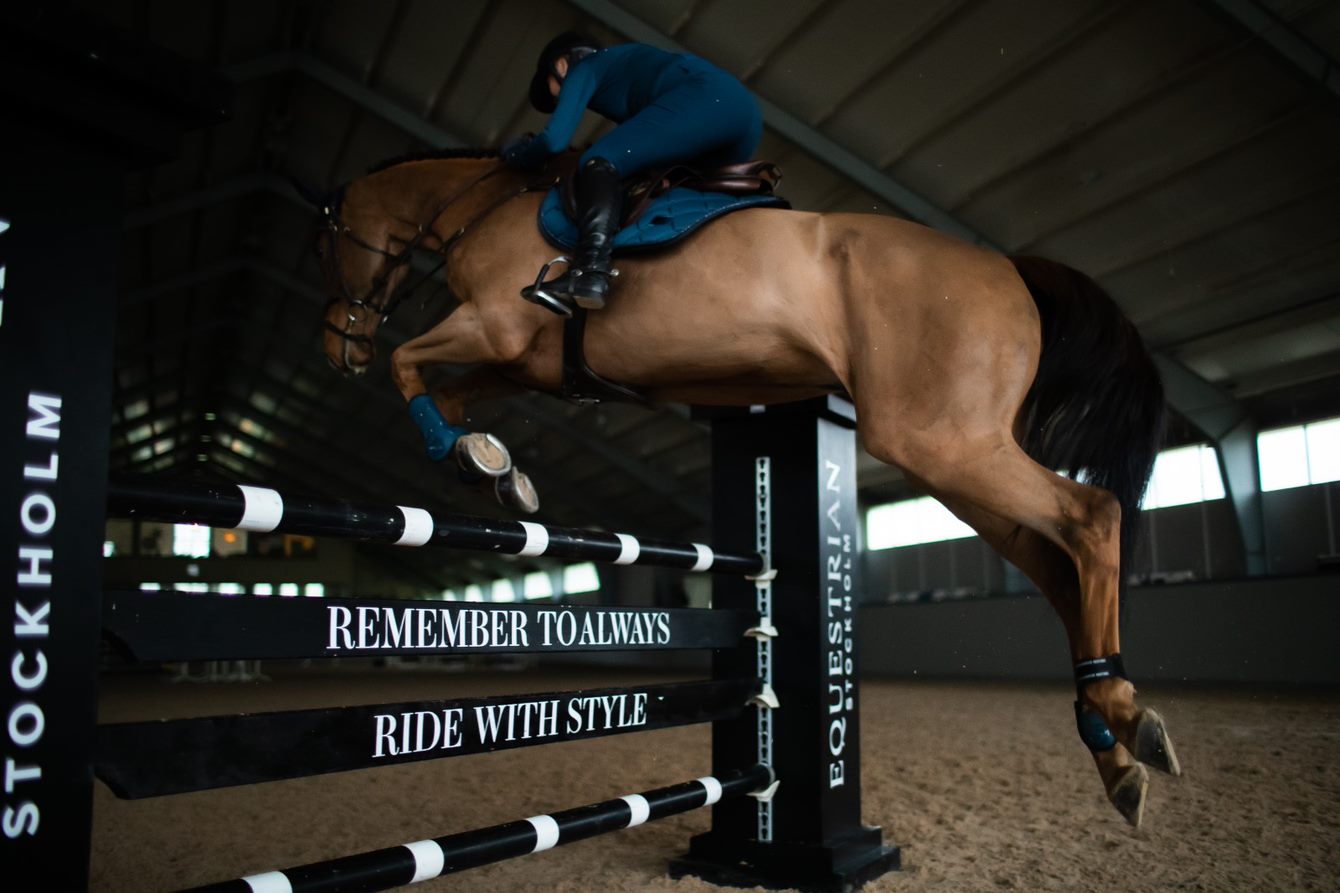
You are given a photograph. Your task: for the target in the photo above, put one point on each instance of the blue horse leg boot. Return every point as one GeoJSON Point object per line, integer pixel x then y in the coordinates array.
{"type": "Point", "coordinates": [1093, 730]}
{"type": "Point", "coordinates": [438, 436]}
{"type": "Point", "coordinates": [599, 194]}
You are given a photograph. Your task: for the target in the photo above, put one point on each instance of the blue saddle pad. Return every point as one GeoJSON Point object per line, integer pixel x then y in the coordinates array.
{"type": "Point", "coordinates": [669, 218]}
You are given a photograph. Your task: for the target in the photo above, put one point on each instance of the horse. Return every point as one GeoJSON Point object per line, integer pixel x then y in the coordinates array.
{"type": "Point", "coordinates": [1011, 389]}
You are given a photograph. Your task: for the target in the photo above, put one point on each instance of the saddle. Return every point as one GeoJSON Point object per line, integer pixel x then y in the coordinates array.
{"type": "Point", "coordinates": [640, 191]}
{"type": "Point", "coordinates": [580, 383]}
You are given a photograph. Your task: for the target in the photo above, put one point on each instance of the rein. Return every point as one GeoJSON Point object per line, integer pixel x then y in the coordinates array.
{"type": "Point", "coordinates": [336, 227]}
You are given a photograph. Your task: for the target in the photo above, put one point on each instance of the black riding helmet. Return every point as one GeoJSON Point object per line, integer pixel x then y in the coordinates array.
{"type": "Point", "coordinates": [570, 44]}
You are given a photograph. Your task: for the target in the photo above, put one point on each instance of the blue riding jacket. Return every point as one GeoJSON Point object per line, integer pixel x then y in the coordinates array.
{"type": "Point", "coordinates": [670, 108]}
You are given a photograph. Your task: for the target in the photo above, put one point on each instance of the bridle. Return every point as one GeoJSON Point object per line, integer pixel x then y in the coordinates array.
{"type": "Point", "coordinates": [336, 228]}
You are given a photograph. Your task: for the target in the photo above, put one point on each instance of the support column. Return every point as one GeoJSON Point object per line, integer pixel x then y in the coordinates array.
{"type": "Point", "coordinates": [81, 106]}
{"type": "Point", "coordinates": [818, 841]}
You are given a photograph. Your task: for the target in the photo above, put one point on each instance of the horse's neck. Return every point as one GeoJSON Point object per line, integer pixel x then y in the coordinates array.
{"type": "Point", "coordinates": [446, 193]}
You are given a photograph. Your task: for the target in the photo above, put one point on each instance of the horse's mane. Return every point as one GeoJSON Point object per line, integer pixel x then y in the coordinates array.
{"type": "Point", "coordinates": [433, 155]}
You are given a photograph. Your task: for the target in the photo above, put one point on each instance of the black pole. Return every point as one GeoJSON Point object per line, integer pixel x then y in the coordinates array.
{"type": "Point", "coordinates": [425, 859]}
{"type": "Point", "coordinates": [810, 835]}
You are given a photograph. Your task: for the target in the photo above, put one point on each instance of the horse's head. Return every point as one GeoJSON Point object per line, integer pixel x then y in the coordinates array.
{"type": "Point", "coordinates": [361, 275]}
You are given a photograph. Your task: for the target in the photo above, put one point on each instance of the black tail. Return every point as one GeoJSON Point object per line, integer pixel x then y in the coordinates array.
{"type": "Point", "coordinates": [1096, 408]}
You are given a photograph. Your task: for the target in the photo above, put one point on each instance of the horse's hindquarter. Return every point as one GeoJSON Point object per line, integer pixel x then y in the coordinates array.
{"type": "Point", "coordinates": [943, 333]}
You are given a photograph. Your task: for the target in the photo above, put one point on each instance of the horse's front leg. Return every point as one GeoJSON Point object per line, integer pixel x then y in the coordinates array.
{"type": "Point", "coordinates": [460, 339]}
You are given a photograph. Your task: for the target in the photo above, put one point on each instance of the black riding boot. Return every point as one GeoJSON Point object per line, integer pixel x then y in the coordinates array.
{"type": "Point", "coordinates": [599, 194]}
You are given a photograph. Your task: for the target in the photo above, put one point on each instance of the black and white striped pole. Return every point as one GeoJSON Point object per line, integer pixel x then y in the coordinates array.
{"type": "Point", "coordinates": [261, 509]}
{"type": "Point", "coordinates": [426, 859]}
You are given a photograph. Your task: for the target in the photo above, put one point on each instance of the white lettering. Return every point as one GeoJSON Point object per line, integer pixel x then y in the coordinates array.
{"type": "Point", "coordinates": [36, 723]}
{"type": "Point", "coordinates": [34, 576]}
{"type": "Point", "coordinates": [24, 820]}
{"type": "Point", "coordinates": [23, 680]}
{"type": "Point", "coordinates": [47, 424]}
{"type": "Point", "coordinates": [31, 624]}
{"type": "Point", "coordinates": [339, 636]}
{"type": "Point", "coordinates": [38, 473]}
{"type": "Point", "coordinates": [14, 774]}
{"type": "Point", "coordinates": [38, 503]}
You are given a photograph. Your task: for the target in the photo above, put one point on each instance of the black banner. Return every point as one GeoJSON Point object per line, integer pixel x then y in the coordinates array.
{"type": "Point", "coordinates": [173, 626]}
{"type": "Point", "coordinates": [151, 759]}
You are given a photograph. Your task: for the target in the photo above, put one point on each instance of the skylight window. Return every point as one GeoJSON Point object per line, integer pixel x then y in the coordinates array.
{"type": "Point", "coordinates": [580, 578]}
{"type": "Point", "coordinates": [1184, 476]}
{"type": "Point", "coordinates": [1301, 455]}
{"type": "Point", "coordinates": [190, 540]}
{"type": "Point", "coordinates": [912, 522]}
{"type": "Point", "coordinates": [538, 585]}
{"type": "Point", "coordinates": [502, 591]}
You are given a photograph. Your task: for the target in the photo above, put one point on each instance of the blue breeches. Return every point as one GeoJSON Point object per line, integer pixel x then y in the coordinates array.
{"type": "Point", "coordinates": [711, 118]}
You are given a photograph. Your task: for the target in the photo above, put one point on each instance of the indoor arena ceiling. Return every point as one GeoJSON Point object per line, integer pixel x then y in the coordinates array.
{"type": "Point", "coordinates": [1185, 154]}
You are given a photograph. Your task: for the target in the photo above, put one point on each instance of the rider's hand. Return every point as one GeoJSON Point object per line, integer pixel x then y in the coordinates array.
{"type": "Point", "coordinates": [514, 150]}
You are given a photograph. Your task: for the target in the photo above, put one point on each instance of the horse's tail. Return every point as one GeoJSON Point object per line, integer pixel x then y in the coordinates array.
{"type": "Point", "coordinates": [1096, 407]}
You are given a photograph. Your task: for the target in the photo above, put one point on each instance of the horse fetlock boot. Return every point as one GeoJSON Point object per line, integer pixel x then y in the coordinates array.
{"type": "Point", "coordinates": [599, 194]}
{"type": "Point", "coordinates": [481, 456]}
{"type": "Point", "coordinates": [1153, 747]}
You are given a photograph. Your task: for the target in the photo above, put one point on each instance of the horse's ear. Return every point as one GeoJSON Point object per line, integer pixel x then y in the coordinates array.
{"type": "Point", "coordinates": [317, 199]}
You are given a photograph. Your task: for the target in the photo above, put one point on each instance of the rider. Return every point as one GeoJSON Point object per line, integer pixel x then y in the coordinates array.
{"type": "Point", "coordinates": [669, 107]}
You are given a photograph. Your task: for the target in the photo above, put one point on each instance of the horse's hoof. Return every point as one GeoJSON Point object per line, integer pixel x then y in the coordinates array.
{"type": "Point", "coordinates": [1153, 747]}
{"type": "Point", "coordinates": [482, 456]}
{"type": "Point", "coordinates": [1127, 793]}
{"type": "Point", "coordinates": [515, 491]}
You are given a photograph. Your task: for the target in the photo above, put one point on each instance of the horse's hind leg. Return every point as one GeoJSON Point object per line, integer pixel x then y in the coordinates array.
{"type": "Point", "coordinates": [991, 476]}
{"type": "Point", "coordinates": [1053, 573]}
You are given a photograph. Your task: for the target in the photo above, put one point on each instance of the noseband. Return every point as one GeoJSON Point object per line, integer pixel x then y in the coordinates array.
{"type": "Point", "coordinates": [337, 228]}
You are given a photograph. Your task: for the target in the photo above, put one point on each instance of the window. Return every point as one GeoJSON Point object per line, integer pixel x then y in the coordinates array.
{"type": "Point", "coordinates": [151, 587]}
{"type": "Point", "coordinates": [263, 589]}
{"type": "Point", "coordinates": [230, 589]}
{"type": "Point", "coordinates": [190, 540]}
{"type": "Point", "coordinates": [1184, 476]}
{"type": "Point", "coordinates": [1301, 455]}
{"type": "Point", "coordinates": [538, 585]}
{"type": "Point", "coordinates": [502, 591]}
{"type": "Point", "coordinates": [288, 589]}
{"type": "Point", "coordinates": [580, 578]}
{"type": "Point", "coordinates": [108, 548]}
{"type": "Point", "coordinates": [912, 522]}
{"type": "Point", "coordinates": [473, 593]}
{"type": "Point", "coordinates": [314, 590]}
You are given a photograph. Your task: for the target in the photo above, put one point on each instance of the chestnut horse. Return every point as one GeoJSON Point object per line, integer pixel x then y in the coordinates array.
{"type": "Point", "coordinates": [974, 373]}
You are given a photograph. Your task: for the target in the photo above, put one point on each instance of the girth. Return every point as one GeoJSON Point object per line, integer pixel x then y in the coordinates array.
{"type": "Point", "coordinates": [582, 384]}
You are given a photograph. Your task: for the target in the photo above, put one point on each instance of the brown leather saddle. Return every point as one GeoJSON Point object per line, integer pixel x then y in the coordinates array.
{"type": "Point", "coordinates": [746, 178]}
{"type": "Point", "coordinates": [582, 384]}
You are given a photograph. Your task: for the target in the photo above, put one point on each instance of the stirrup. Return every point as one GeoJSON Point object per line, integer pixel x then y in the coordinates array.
{"type": "Point", "coordinates": [546, 294]}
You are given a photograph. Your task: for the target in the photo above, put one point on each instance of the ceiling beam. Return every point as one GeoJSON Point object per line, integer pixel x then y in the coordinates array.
{"type": "Point", "coordinates": [217, 194]}
{"type": "Point", "coordinates": [1309, 59]}
{"type": "Point", "coordinates": [352, 89]}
